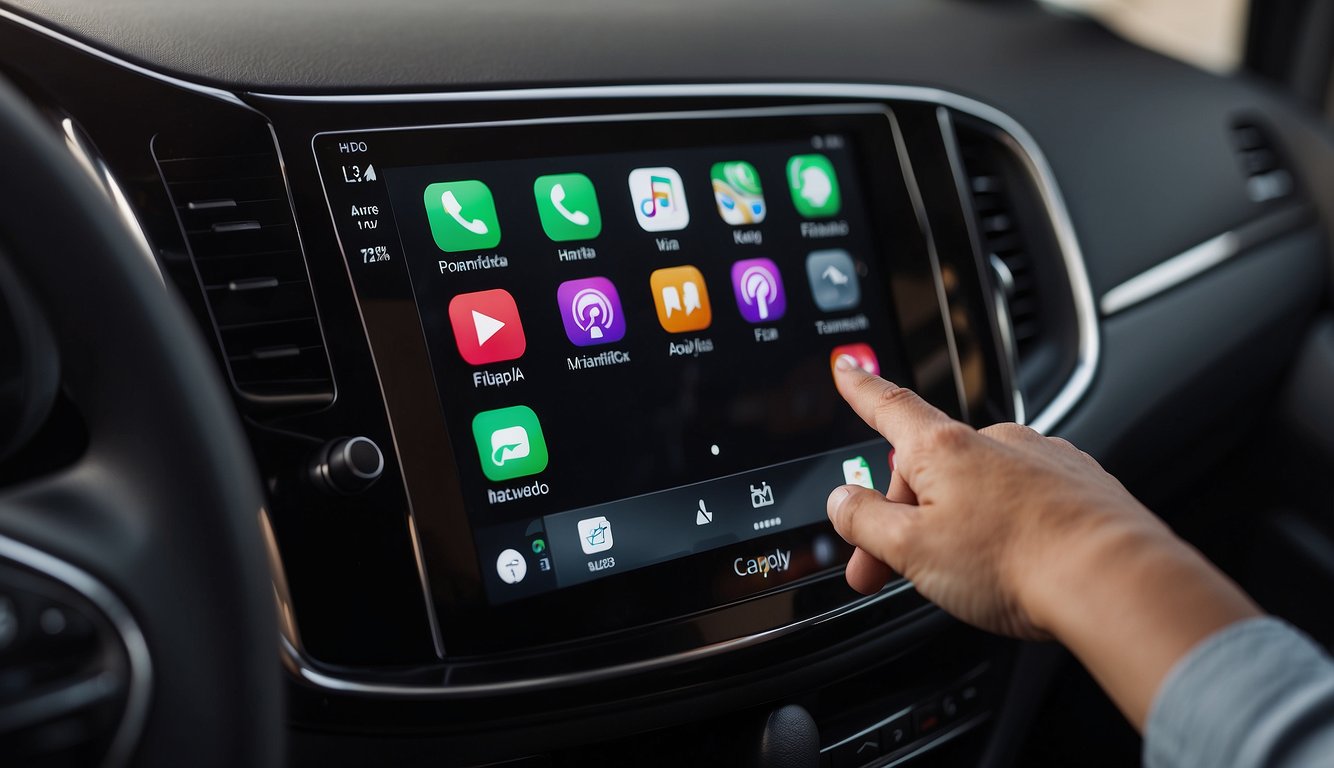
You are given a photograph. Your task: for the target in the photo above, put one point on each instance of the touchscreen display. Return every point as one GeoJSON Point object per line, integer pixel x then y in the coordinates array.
{"type": "Point", "coordinates": [631, 337]}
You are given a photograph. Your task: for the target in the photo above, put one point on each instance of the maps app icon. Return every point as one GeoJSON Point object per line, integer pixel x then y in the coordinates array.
{"type": "Point", "coordinates": [591, 311]}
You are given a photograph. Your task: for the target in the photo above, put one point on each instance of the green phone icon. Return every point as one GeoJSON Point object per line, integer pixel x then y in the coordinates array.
{"type": "Point", "coordinates": [814, 186]}
{"type": "Point", "coordinates": [462, 215]}
{"type": "Point", "coordinates": [509, 442]}
{"type": "Point", "coordinates": [568, 206]}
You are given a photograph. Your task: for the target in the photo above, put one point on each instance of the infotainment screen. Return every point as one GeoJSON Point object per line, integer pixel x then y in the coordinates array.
{"type": "Point", "coordinates": [606, 345]}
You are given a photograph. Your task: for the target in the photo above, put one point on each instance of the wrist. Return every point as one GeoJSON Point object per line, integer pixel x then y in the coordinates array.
{"type": "Point", "coordinates": [1063, 566]}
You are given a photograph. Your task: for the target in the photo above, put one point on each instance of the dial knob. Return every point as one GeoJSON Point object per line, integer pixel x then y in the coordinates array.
{"type": "Point", "coordinates": [347, 465]}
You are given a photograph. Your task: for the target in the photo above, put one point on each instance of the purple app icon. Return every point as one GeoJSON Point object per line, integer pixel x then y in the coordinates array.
{"type": "Point", "coordinates": [591, 310]}
{"type": "Point", "coordinates": [759, 290]}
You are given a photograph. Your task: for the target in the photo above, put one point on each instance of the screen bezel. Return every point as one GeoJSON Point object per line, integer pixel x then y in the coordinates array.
{"type": "Point", "coordinates": [466, 623]}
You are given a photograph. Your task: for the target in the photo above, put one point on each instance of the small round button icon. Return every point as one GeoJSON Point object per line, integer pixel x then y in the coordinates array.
{"type": "Point", "coordinates": [511, 566]}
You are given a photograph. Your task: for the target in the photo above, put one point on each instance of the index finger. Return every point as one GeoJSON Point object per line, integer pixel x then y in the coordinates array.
{"type": "Point", "coordinates": [897, 413]}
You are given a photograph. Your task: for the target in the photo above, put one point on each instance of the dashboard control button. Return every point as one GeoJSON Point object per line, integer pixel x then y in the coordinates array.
{"type": "Point", "coordinates": [926, 718]}
{"type": "Point", "coordinates": [897, 733]}
{"type": "Point", "coordinates": [858, 752]}
{"type": "Point", "coordinates": [347, 465]}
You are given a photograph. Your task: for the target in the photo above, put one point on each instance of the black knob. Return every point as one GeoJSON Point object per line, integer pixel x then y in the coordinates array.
{"type": "Point", "coordinates": [347, 465]}
{"type": "Point", "coordinates": [789, 739]}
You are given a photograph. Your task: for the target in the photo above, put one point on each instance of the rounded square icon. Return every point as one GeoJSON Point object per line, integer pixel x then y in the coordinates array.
{"type": "Point", "coordinates": [682, 299]}
{"type": "Point", "coordinates": [814, 186]}
{"type": "Point", "coordinates": [510, 443]}
{"type": "Point", "coordinates": [462, 215]}
{"type": "Point", "coordinates": [591, 310]}
{"type": "Point", "coordinates": [487, 327]}
{"type": "Point", "coordinates": [595, 535]}
{"type": "Point", "coordinates": [759, 290]}
{"type": "Point", "coordinates": [833, 278]}
{"type": "Point", "coordinates": [568, 207]}
{"type": "Point", "coordinates": [861, 355]}
{"type": "Point", "coordinates": [737, 191]}
{"type": "Point", "coordinates": [659, 199]}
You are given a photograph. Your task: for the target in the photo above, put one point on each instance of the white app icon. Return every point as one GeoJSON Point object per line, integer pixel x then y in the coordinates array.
{"type": "Point", "coordinates": [511, 566]}
{"type": "Point", "coordinates": [595, 535]}
{"type": "Point", "coordinates": [659, 199]}
{"type": "Point", "coordinates": [857, 472]}
{"type": "Point", "coordinates": [508, 444]}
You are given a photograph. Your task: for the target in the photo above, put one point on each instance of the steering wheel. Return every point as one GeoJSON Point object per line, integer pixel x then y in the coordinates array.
{"type": "Point", "coordinates": [155, 526]}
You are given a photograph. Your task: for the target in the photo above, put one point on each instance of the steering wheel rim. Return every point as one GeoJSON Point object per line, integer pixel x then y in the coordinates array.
{"type": "Point", "coordinates": [162, 508]}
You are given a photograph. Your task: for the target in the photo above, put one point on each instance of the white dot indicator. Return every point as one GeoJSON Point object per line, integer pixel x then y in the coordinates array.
{"type": "Point", "coordinates": [713, 449]}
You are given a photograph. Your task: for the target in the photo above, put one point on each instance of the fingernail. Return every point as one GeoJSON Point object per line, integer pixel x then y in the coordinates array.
{"type": "Point", "coordinates": [845, 363]}
{"type": "Point", "coordinates": [836, 499]}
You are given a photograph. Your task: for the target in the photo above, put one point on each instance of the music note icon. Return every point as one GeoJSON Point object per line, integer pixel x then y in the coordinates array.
{"type": "Point", "coordinates": [659, 199]}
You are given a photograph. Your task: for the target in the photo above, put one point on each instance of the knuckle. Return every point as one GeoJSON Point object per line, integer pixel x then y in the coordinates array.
{"type": "Point", "coordinates": [891, 397]}
{"type": "Point", "coordinates": [948, 437]}
{"type": "Point", "coordinates": [1009, 432]}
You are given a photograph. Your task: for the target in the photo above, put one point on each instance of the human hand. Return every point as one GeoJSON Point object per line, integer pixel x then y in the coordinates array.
{"type": "Point", "coordinates": [974, 518]}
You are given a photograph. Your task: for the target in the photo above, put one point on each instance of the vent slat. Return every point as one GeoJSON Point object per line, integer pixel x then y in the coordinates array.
{"type": "Point", "coordinates": [237, 222]}
{"type": "Point", "coordinates": [999, 229]}
{"type": "Point", "coordinates": [1267, 177]}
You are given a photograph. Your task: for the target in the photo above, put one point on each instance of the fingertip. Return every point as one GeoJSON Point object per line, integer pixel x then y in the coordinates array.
{"type": "Point", "coordinates": [836, 499]}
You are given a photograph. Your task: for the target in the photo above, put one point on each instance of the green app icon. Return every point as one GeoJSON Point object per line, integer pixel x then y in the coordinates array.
{"type": "Point", "coordinates": [568, 206]}
{"type": "Point", "coordinates": [509, 442]}
{"type": "Point", "coordinates": [814, 186]}
{"type": "Point", "coordinates": [462, 215]}
{"type": "Point", "coordinates": [737, 191]}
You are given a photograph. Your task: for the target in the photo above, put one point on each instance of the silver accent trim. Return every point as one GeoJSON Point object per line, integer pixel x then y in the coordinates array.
{"type": "Point", "coordinates": [1199, 259]}
{"type": "Point", "coordinates": [81, 147]}
{"type": "Point", "coordinates": [297, 663]}
{"type": "Point", "coordinates": [989, 272]}
{"type": "Point", "coordinates": [136, 647]}
{"type": "Point", "coordinates": [942, 298]}
{"type": "Point", "coordinates": [98, 53]}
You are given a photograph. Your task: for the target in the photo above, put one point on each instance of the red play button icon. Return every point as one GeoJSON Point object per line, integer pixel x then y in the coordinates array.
{"type": "Point", "coordinates": [486, 326]}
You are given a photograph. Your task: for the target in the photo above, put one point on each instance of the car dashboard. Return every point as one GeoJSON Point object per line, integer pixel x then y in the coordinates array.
{"type": "Point", "coordinates": [545, 453]}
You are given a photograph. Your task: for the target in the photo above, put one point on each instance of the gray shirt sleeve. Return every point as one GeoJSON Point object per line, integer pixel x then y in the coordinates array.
{"type": "Point", "coordinates": [1258, 693]}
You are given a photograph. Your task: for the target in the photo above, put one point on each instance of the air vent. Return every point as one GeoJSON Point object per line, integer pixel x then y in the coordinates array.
{"type": "Point", "coordinates": [1002, 240]}
{"type": "Point", "coordinates": [238, 225]}
{"type": "Point", "coordinates": [1266, 177]}
{"type": "Point", "coordinates": [1036, 316]}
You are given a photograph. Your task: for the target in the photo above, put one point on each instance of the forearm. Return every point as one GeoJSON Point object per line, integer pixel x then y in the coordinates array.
{"type": "Point", "coordinates": [1129, 599]}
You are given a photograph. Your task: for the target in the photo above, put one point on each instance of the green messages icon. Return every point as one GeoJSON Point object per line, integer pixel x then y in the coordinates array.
{"type": "Point", "coordinates": [568, 206]}
{"type": "Point", "coordinates": [462, 215]}
{"type": "Point", "coordinates": [509, 442]}
{"type": "Point", "coordinates": [814, 186]}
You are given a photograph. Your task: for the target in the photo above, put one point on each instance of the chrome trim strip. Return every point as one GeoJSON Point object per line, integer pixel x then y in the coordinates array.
{"type": "Point", "coordinates": [136, 648]}
{"type": "Point", "coordinates": [81, 147]}
{"type": "Point", "coordinates": [298, 664]}
{"type": "Point", "coordinates": [1086, 314]}
{"type": "Point", "coordinates": [938, 277]}
{"type": "Point", "coordinates": [1199, 259]}
{"type": "Point", "coordinates": [98, 53]}
{"type": "Point", "coordinates": [994, 272]}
